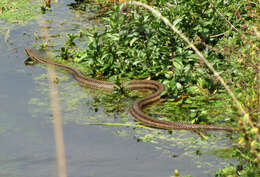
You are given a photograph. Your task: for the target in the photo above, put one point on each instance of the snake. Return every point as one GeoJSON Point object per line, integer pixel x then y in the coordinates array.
{"type": "Point", "coordinates": [136, 109]}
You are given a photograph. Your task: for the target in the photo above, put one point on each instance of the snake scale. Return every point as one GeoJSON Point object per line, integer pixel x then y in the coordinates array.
{"type": "Point", "coordinates": [139, 104]}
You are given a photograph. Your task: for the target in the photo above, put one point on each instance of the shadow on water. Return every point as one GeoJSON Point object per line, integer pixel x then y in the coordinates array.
{"type": "Point", "coordinates": [26, 131]}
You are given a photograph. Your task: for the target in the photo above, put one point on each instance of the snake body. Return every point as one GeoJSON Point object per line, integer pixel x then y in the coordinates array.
{"type": "Point", "coordinates": [139, 104]}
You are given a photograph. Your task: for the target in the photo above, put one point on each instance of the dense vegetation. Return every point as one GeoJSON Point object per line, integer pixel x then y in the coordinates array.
{"type": "Point", "coordinates": [134, 44]}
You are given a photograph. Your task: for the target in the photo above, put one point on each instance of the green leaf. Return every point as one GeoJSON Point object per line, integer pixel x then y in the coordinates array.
{"type": "Point", "coordinates": [178, 65]}
{"type": "Point", "coordinates": [133, 41]}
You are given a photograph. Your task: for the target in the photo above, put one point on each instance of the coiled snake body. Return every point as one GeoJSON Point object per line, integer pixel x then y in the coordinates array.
{"type": "Point", "coordinates": [139, 104]}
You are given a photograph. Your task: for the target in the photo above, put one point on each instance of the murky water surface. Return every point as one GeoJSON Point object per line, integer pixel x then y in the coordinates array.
{"type": "Point", "coordinates": [26, 129]}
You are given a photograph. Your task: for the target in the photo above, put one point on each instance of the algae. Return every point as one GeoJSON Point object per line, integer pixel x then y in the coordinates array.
{"type": "Point", "coordinates": [18, 11]}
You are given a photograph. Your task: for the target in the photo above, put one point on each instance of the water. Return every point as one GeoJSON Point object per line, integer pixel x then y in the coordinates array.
{"type": "Point", "coordinates": [26, 130]}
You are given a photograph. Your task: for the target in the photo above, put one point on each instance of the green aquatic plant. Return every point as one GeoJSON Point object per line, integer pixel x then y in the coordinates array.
{"type": "Point", "coordinates": [18, 11]}
{"type": "Point", "coordinates": [135, 46]}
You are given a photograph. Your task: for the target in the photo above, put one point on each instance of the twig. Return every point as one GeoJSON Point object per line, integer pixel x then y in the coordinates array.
{"type": "Point", "coordinates": [221, 34]}
{"type": "Point", "coordinates": [232, 26]}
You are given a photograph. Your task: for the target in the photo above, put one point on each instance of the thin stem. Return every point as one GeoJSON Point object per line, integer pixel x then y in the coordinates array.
{"type": "Point", "coordinates": [232, 26]}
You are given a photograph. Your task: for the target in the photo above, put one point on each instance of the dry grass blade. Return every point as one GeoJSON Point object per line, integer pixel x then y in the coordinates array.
{"type": "Point", "coordinates": [57, 122]}
{"type": "Point", "coordinates": [57, 117]}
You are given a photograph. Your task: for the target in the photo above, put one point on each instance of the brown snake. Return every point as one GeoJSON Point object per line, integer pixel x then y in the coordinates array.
{"type": "Point", "coordinates": [139, 104]}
